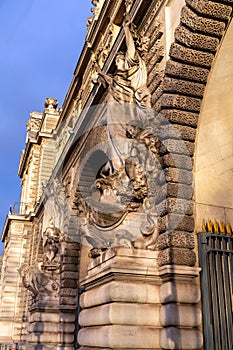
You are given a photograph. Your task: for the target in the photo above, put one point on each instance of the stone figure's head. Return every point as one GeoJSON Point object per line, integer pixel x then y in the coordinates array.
{"type": "Point", "coordinates": [120, 61]}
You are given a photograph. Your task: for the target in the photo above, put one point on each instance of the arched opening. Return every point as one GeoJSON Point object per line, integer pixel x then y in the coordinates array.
{"type": "Point", "coordinates": [90, 172]}
{"type": "Point", "coordinates": [213, 167]}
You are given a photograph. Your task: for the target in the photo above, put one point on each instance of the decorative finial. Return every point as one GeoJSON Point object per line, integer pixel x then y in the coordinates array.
{"type": "Point", "coordinates": [51, 103]}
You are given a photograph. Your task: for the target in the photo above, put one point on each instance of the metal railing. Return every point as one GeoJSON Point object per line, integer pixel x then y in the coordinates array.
{"type": "Point", "coordinates": [19, 208]}
{"type": "Point", "coordinates": [216, 261]}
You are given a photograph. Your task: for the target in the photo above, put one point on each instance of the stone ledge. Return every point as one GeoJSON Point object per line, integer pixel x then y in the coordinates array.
{"type": "Point", "coordinates": [179, 273]}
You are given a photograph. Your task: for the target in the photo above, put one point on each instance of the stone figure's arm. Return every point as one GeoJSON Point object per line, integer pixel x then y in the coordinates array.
{"type": "Point", "coordinates": [107, 79]}
{"type": "Point", "coordinates": [131, 49]}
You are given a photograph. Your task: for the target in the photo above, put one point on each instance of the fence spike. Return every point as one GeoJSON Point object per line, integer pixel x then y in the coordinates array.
{"type": "Point", "coordinates": [228, 229]}
{"type": "Point", "coordinates": [210, 226]}
{"type": "Point", "coordinates": [216, 227]}
{"type": "Point", "coordinates": [203, 226]}
{"type": "Point", "coordinates": [222, 227]}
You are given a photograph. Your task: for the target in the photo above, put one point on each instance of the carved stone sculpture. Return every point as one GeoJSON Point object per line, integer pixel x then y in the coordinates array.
{"type": "Point", "coordinates": [51, 103]}
{"type": "Point", "coordinates": [42, 278]}
{"type": "Point", "coordinates": [126, 183]}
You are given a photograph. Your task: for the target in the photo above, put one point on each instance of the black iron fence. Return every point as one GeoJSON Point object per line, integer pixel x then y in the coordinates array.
{"type": "Point", "coordinates": [216, 261]}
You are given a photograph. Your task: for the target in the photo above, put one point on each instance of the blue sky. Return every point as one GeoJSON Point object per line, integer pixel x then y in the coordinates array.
{"type": "Point", "coordinates": [40, 42]}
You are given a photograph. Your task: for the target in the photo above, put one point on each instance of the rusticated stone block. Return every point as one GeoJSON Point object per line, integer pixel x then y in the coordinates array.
{"type": "Point", "coordinates": [180, 117]}
{"type": "Point", "coordinates": [69, 267]}
{"type": "Point", "coordinates": [178, 132]}
{"type": "Point", "coordinates": [185, 71]}
{"type": "Point", "coordinates": [52, 317]}
{"type": "Point", "coordinates": [69, 274]}
{"type": "Point", "coordinates": [176, 256]}
{"type": "Point", "coordinates": [178, 101]}
{"type": "Point", "coordinates": [154, 80]}
{"type": "Point", "coordinates": [120, 291]}
{"type": "Point", "coordinates": [196, 40]}
{"type": "Point", "coordinates": [50, 327]}
{"type": "Point", "coordinates": [70, 260]}
{"type": "Point", "coordinates": [202, 24]}
{"type": "Point", "coordinates": [182, 222]}
{"type": "Point", "coordinates": [176, 338]}
{"type": "Point", "coordinates": [179, 190]}
{"type": "Point", "coordinates": [178, 161]}
{"type": "Point", "coordinates": [180, 206]}
{"type": "Point", "coordinates": [175, 292]}
{"type": "Point", "coordinates": [179, 175]}
{"type": "Point", "coordinates": [176, 239]}
{"type": "Point", "coordinates": [178, 147]}
{"type": "Point", "coordinates": [180, 315]}
{"type": "Point", "coordinates": [162, 208]}
{"type": "Point", "coordinates": [53, 339]}
{"type": "Point", "coordinates": [68, 283]}
{"type": "Point", "coordinates": [68, 301]}
{"type": "Point", "coordinates": [183, 87]}
{"type": "Point", "coordinates": [121, 314]}
{"type": "Point", "coordinates": [70, 252]}
{"type": "Point", "coordinates": [191, 56]}
{"type": "Point", "coordinates": [176, 222]}
{"type": "Point", "coordinates": [120, 337]}
{"type": "Point", "coordinates": [211, 8]}
{"type": "Point", "coordinates": [161, 194]}
{"type": "Point", "coordinates": [68, 292]}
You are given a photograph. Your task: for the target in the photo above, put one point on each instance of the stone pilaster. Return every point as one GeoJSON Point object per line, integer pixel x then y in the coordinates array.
{"type": "Point", "coordinates": [180, 315]}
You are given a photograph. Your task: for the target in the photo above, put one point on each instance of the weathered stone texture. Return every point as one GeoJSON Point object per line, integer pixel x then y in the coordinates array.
{"type": "Point", "coordinates": [183, 87]}
{"type": "Point", "coordinates": [196, 40]}
{"type": "Point", "coordinates": [190, 56]}
{"type": "Point", "coordinates": [216, 10]}
{"type": "Point", "coordinates": [201, 24]}
{"type": "Point", "coordinates": [178, 101]}
{"type": "Point", "coordinates": [176, 239]}
{"type": "Point", "coordinates": [177, 256]}
{"type": "Point", "coordinates": [185, 71]}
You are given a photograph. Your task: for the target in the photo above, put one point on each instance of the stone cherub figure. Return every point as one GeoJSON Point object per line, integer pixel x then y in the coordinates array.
{"type": "Point", "coordinates": [128, 97]}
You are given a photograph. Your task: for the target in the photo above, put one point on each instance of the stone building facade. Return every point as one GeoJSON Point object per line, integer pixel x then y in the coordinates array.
{"type": "Point", "coordinates": [102, 251]}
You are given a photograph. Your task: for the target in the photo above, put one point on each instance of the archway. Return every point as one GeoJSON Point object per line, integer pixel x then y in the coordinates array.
{"type": "Point", "coordinates": [214, 143]}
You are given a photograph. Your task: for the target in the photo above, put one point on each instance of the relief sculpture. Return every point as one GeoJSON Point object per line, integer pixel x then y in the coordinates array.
{"type": "Point", "coordinates": [42, 278]}
{"type": "Point", "coordinates": [126, 183]}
